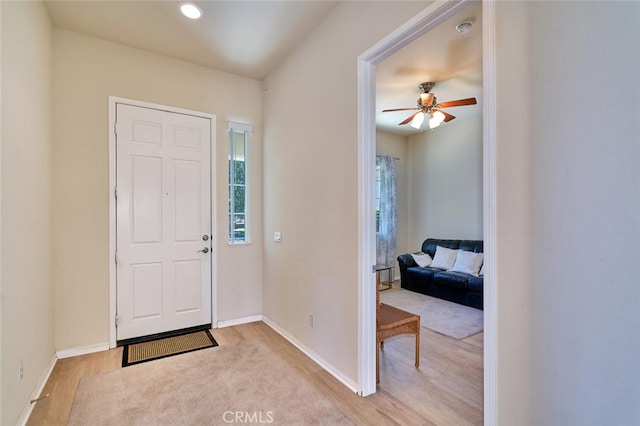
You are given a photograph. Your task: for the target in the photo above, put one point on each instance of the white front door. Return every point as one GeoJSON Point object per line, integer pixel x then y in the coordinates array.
{"type": "Point", "coordinates": [163, 214]}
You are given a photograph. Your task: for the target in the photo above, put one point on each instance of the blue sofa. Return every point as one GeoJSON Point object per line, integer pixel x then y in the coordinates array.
{"type": "Point", "coordinates": [453, 286]}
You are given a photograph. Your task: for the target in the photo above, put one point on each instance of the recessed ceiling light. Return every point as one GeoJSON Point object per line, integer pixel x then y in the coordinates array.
{"type": "Point", "coordinates": [190, 10]}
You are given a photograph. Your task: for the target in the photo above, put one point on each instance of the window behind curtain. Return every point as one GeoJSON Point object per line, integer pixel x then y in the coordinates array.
{"type": "Point", "coordinates": [238, 182]}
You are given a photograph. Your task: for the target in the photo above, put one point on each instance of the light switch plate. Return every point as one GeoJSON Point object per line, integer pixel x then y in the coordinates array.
{"type": "Point", "coordinates": [277, 237]}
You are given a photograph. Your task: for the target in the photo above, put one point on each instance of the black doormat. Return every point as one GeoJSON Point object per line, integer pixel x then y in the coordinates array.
{"type": "Point", "coordinates": [136, 353]}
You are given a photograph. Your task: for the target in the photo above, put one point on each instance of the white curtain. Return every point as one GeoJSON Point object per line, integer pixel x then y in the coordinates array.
{"type": "Point", "coordinates": [388, 226]}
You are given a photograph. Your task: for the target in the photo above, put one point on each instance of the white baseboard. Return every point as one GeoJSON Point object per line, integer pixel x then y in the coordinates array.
{"type": "Point", "coordinates": [239, 321]}
{"type": "Point", "coordinates": [84, 350]}
{"type": "Point", "coordinates": [28, 407]}
{"type": "Point", "coordinates": [348, 382]}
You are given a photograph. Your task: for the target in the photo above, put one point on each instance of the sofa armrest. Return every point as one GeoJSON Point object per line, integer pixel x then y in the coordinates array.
{"type": "Point", "coordinates": [406, 260]}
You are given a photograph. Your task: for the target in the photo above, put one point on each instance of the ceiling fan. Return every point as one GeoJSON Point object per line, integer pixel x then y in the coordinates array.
{"type": "Point", "coordinates": [429, 106]}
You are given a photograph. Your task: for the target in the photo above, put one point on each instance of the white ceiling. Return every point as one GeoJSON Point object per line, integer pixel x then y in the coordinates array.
{"type": "Point", "coordinates": [451, 60]}
{"type": "Point", "coordinates": [250, 38]}
{"type": "Point", "coordinates": [247, 38]}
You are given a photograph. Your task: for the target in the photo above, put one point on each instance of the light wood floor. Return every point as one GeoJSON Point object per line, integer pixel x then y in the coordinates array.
{"type": "Point", "coordinates": [447, 389]}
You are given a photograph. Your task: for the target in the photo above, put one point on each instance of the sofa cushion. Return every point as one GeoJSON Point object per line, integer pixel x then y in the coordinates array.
{"type": "Point", "coordinates": [422, 259]}
{"type": "Point", "coordinates": [452, 279]}
{"type": "Point", "coordinates": [468, 262]}
{"type": "Point", "coordinates": [421, 274]}
{"type": "Point", "coordinates": [444, 258]}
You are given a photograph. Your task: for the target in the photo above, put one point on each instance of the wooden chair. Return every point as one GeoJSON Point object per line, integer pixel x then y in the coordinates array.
{"type": "Point", "coordinates": [390, 322]}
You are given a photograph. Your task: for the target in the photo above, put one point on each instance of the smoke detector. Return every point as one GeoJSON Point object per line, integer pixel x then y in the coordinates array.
{"type": "Point", "coordinates": [464, 27]}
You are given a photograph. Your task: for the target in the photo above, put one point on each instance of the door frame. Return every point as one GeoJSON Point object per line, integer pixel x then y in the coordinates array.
{"type": "Point", "coordinates": [113, 101]}
{"type": "Point", "coordinates": [426, 20]}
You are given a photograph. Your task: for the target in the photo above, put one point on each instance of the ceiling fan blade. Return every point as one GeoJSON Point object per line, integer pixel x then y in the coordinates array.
{"type": "Point", "coordinates": [400, 109]}
{"type": "Point", "coordinates": [408, 119]}
{"type": "Point", "coordinates": [459, 102]}
{"type": "Point", "coordinates": [447, 117]}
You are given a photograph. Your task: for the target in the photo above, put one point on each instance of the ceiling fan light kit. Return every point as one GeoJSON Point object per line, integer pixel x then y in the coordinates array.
{"type": "Point", "coordinates": [426, 99]}
{"type": "Point", "coordinates": [416, 123]}
{"type": "Point", "coordinates": [436, 119]}
{"type": "Point", "coordinates": [428, 104]}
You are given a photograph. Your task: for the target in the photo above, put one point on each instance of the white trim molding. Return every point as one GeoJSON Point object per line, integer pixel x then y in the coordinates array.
{"type": "Point", "coordinates": [239, 321]}
{"type": "Point", "coordinates": [37, 391]}
{"type": "Point", "coordinates": [366, 230]}
{"type": "Point", "coordinates": [489, 213]}
{"type": "Point", "coordinates": [83, 350]}
{"type": "Point", "coordinates": [349, 383]}
{"type": "Point", "coordinates": [235, 125]}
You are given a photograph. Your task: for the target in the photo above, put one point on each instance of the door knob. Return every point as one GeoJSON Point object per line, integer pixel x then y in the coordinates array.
{"type": "Point", "coordinates": [204, 250]}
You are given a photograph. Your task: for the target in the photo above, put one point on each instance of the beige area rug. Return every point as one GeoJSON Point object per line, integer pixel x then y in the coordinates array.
{"type": "Point", "coordinates": [244, 383]}
{"type": "Point", "coordinates": [442, 316]}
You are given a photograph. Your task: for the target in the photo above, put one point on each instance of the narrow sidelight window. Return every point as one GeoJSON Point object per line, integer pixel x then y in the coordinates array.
{"type": "Point", "coordinates": [238, 182]}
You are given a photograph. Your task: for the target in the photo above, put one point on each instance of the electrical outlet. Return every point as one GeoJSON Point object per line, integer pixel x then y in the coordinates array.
{"type": "Point", "coordinates": [311, 320]}
{"type": "Point", "coordinates": [20, 370]}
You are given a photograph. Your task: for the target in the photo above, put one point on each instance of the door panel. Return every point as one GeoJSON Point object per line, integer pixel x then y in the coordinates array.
{"type": "Point", "coordinates": [146, 133]}
{"type": "Point", "coordinates": [187, 192]}
{"type": "Point", "coordinates": [189, 297]}
{"type": "Point", "coordinates": [147, 290]}
{"type": "Point", "coordinates": [146, 199]}
{"type": "Point", "coordinates": [163, 209]}
{"type": "Point", "coordinates": [187, 139]}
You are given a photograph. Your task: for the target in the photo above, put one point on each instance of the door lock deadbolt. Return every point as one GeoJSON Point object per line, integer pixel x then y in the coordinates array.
{"type": "Point", "coordinates": [205, 237]}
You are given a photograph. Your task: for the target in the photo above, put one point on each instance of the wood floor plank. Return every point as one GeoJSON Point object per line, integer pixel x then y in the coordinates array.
{"type": "Point", "coordinates": [446, 389]}
{"type": "Point", "coordinates": [63, 382]}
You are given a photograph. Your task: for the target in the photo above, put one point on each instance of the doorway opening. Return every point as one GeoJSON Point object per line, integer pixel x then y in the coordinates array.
{"type": "Point", "coordinates": [425, 21]}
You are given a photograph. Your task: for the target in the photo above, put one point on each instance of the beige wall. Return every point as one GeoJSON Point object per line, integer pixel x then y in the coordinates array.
{"type": "Point", "coordinates": [445, 182]}
{"type": "Point", "coordinates": [310, 180]}
{"type": "Point", "coordinates": [86, 72]}
{"type": "Point", "coordinates": [568, 213]}
{"type": "Point", "coordinates": [396, 146]}
{"type": "Point", "coordinates": [26, 325]}
{"type": "Point", "coordinates": [584, 166]}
